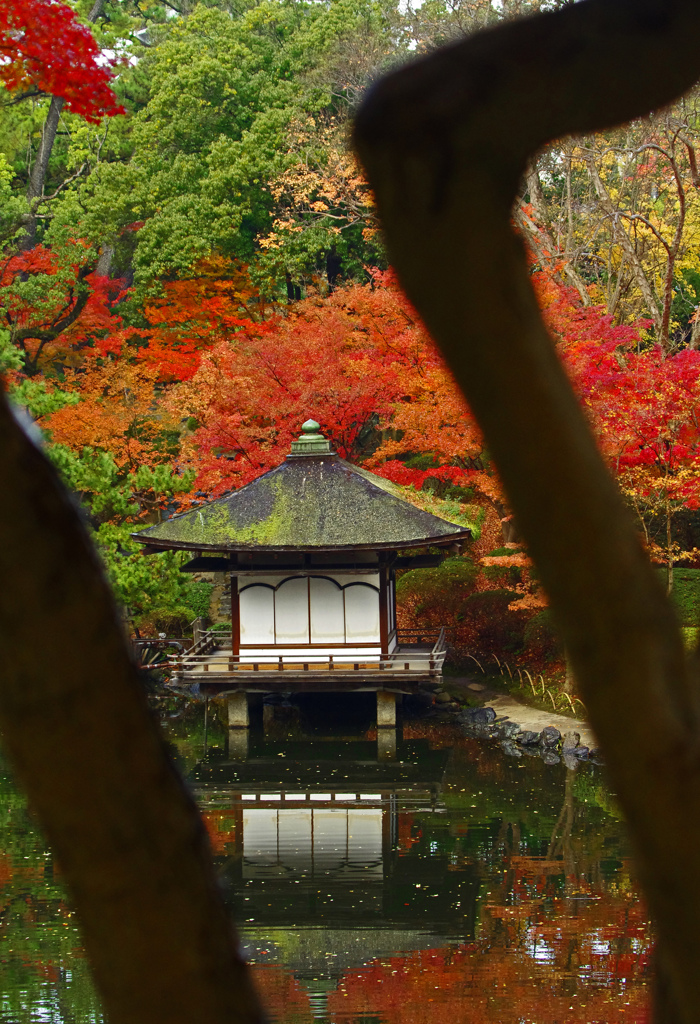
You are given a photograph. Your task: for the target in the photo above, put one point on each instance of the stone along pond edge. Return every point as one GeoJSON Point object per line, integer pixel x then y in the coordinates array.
{"type": "Point", "coordinates": [523, 731]}
{"type": "Point", "coordinates": [549, 744]}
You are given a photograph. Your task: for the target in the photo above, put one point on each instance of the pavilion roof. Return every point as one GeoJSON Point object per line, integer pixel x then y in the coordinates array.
{"type": "Point", "coordinates": [313, 501]}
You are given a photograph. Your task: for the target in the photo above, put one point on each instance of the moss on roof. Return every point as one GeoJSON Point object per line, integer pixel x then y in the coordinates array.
{"type": "Point", "coordinates": [307, 503]}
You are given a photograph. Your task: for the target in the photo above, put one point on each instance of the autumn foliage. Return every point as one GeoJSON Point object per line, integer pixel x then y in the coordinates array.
{"type": "Point", "coordinates": [468, 985]}
{"type": "Point", "coordinates": [46, 48]}
{"type": "Point", "coordinates": [346, 360]}
{"type": "Point", "coordinates": [210, 383]}
{"type": "Point", "coordinates": [55, 306]}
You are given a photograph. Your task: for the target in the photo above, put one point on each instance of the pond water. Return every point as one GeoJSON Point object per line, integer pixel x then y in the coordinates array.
{"type": "Point", "coordinates": [432, 880]}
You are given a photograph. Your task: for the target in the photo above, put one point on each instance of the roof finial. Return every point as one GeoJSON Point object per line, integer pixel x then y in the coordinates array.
{"type": "Point", "coordinates": [311, 441]}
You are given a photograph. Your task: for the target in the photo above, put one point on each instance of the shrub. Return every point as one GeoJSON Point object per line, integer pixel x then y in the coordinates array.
{"type": "Point", "coordinates": [686, 594]}
{"type": "Point", "coordinates": [434, 597]}
{"type": "Point", "coordinates": [540, 640]}
{"type": "Point", "coordinates": [488, 626]}
{"type": "Point", "coordinates": [198, 597]}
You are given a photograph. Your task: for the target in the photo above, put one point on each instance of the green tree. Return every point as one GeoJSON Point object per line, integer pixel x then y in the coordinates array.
{"type": "Point", "coordinates": [225, 93]}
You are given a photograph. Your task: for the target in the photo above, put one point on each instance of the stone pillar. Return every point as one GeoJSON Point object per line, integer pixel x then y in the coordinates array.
{"type": "Point", "coordinates": [237, 710]}
{"type": "Point", "coordinates": [237, 725]}
{"type": "Point", "coordinates": [238, 744]}
{"type": "Point", "coordinates": [386, 744]}
{"type": "Point", "coordinates": [386, 710]}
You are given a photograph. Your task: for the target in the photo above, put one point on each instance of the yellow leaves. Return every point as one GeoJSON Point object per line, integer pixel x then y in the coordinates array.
{"type": "Point", "coordinates": [323, 182]}
{"type": "Point", "coordinates": [530, 594]}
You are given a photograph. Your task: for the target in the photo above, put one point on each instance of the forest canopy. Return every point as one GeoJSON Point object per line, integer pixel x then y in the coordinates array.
{"type": "Point", "coordinates": [192, 265]}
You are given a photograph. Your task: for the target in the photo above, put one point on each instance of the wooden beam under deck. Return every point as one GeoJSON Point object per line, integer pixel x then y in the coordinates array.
{"type": "Point", "coordinates": [399, 676]}
{"type": "Point", "coordinates": [212, 685]}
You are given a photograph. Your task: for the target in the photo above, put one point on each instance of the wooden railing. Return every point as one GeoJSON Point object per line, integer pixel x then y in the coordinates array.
{"type": "Point", "coordinates": [201, 660]}
{"type": "Point", "coordinates": [152, 652]}
{"type": "Point", "coordinates": [431, 635]}
{"type": "Point", "coordinates": [233, 666]}
{"type": "Point", "coordinates": [161, 642]}
{"type": "Point", "coordinates": [440, 647]}
{"type": "Point", "coordinates": [208, 641]}
{"type": "Point", "coordinates": [212, 654]}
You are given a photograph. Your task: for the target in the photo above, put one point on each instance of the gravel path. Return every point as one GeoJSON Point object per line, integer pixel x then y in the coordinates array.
{"type": "Point", "coordinates": [535, 719]}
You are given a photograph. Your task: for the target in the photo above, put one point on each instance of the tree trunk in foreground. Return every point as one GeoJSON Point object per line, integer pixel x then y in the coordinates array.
{"type": "Point", "coordinates": [445, 142]}
{"type": "Point", "coordinates": [85, 747]}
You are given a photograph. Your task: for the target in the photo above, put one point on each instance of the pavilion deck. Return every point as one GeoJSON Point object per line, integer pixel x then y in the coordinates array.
{"type": "Point", "coordinates": [211, 664]}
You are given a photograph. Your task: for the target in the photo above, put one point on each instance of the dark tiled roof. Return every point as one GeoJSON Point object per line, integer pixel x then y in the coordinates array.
{"type": "Point", "coordinates": [308, 503]}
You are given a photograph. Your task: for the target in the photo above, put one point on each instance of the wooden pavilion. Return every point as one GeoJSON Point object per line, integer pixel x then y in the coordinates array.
{"type": "Point", "coordinates": [312, 548]}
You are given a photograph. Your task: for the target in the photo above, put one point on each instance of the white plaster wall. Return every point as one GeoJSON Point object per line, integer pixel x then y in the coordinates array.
{"type": "Point", "coordinates": [257, 615]}
{"type": "Point", "coordinates": [276, 610]}
{"type": "Point", "coordinates": [292, 612]}
{"type": "Point", "coordinates": [361, 615]}
{"type": "Point", "coordinates": [327, 612]}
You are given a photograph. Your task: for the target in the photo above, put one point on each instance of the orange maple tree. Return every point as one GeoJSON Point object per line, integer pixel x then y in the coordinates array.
{"type": "Point", "coordinates": [117, 413]}
{"type": "Point", "coordinates": [193, 314]}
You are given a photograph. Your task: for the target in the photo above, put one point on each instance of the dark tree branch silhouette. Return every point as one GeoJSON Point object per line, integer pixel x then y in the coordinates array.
{"type": "Point", "coordinates": [75, 722]}
{"type": "Point", "coordinates": [445, 142]}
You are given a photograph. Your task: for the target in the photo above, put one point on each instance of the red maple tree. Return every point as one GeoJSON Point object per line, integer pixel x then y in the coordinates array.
{"type": "Point", "coordinates": [193, 314]}
{"type": "Point", "coordinates": [338, 359]}
{"type": "Point", "coordinates": [44, 47]}
{"type": "Point", "coordinates": [644, 408]}
{"type": "Point", "coordinates": [71, 307]}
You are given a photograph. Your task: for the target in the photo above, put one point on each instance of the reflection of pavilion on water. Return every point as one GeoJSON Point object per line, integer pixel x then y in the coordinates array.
{"type": "Point", "coordinates": [319, 841]}
{"type": "Point", "coordinates": [313, 830]}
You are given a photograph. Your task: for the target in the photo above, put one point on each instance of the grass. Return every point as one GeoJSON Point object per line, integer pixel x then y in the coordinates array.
{"type": "Point", "coordinates": [691, 635]}
{"type": "Point", "coordinates": [530, 688]}
{"type": "Point", "coordinates": [686, 594]}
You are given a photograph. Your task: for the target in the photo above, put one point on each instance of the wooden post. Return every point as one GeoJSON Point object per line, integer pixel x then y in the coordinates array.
{"type": "Point", "coordinates": [197, 630]}
{"type": "Point", "coordinates": [386, 710]}
{"type": "Point", "coordinates": [235, 617]}
{"type": "Point", "coordinates": [384, 609]}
